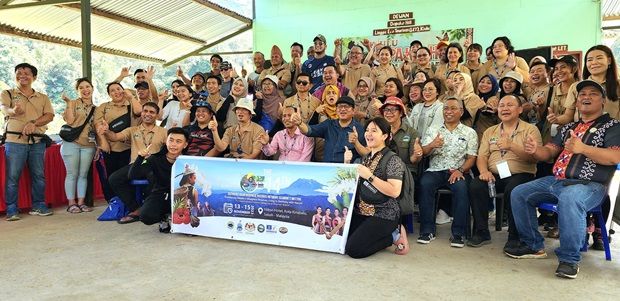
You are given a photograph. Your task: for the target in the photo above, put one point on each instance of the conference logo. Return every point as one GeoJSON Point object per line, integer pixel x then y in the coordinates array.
{"type": "Point", "coordinates": [251, 182]}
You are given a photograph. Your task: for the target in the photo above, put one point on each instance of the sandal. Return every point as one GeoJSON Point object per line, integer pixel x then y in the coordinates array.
{"type": "Point", "coordinates": [74, 208]}
{"type": "Point", "coordinates": [129, 219]}
{"type": "Point", "coordinates": [402, 244]}
{"type": "Point", "coordinates": [86, 208]}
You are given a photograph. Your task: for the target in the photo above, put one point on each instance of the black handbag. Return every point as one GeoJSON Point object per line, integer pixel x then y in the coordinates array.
{"type": "Point", "coordinates": [122, 122]}
{"type": "Point", "coordinates": [69, 134]}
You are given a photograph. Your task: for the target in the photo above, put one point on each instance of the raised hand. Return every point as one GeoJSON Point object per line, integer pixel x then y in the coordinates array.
{"type": "Point", "coordinates": [17, 109]}
{"type": "Point", "coordinates": [320, 109]}
{"type": "Point", "coordinates": [530, 146]}
{"type": "Point", "coordinates": [574, 144]}
{"type": "Point", "coordinates": [102, 127]}
{"type": "Point", "coordinates": [125, 72]}
{"type": "Point", "coordinates": [145, 152]}
{"type": "Point", "coordinates": [337, 42]}
{"type": "Point", "coordinates": [164, 95]}
{"type": "Point", "coordinates": [504, 142]}
{"type": "Point", "coordinates": [363, 171]}
{"type": "Point", "coordinates": [551, 117]}
{"type": "Point", "coordinates": [438, 141]}
{"type": "Point", "coordinates": [296, 118]}
{"type": "Point", "coordinates": [338, 60]}
{"type": "Point", "coordinates": [348, 155]}
{"type": "Point", "coordinates": [417, 148]}
{"type": "Point", "coordinates": [65, 98]}
{"type": "Point", "coordinates": [353, 136]}
{"type": "Point", "coordinates": [212, 124]}
{"type": "Point", "coordinates": [179, 71]}
{"type": "Point", "coordinates": [150, 72]}
{"type": "Point", "coordinates": [511, 62]}
{"type": "Point", "coordinates": [376, 103]}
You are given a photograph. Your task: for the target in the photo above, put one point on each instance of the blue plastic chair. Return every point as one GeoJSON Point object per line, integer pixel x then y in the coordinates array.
{"type": "Point", "coordinates": [601, 220]}
{"type": "Point", "coordinates": [139, 184]}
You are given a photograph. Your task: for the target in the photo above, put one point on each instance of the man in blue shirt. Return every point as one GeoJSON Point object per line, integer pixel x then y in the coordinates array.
{"type": "Point", "coordinates": [315, 66]}
{"type": "Point", "coordinates": [335, 131]}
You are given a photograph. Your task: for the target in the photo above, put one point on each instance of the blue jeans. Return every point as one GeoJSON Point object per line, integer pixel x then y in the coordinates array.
{"type": "Point", "coordinates": [430, 182]}
{"type": "Point", "coordinates": [77, 159]}
{"type": "Point", "coordinates": [17, 154]}
{"type": "Point", "coordinates": [574, 201]}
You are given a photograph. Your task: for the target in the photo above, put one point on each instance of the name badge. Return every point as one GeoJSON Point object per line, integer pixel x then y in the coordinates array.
{"type": "Point", "coordinates": [554, 129]}
{"type": "Point", "coordinates": [503, 170]}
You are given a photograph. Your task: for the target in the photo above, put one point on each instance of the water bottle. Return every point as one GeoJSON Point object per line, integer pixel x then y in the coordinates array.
{"type": "Point", "coordinates": [492, 193]}
{"type": "Point", "coordinates": [614, 185]}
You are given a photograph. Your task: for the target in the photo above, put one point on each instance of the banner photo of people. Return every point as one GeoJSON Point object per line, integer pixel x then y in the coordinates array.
{"type": "Point", "coordinates": [270, 202]}
{"type": "Point", "coordinates": [400, 42]}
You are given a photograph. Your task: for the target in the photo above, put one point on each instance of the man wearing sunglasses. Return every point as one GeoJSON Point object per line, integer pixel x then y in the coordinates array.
{"type": "Point", "coordinates": [315, 66]}
{"type": "Point", "coordinates": [305, 102]}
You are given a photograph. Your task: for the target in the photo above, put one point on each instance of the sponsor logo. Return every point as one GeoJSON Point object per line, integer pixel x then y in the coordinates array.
{"type": "Point", "coordinates": [271, 229]}
{"type": "Point", "coordinates": [230, 225]}
{"type": "Point", "coordinates": [251, 182]}
{"type": "Point", "coordinates": [261, 228]}
{"type": "Point", "coordinates": [239, 227]}
{"type": "Point", "coordinates": [250, 227]}
{"type": "Point", "coordinates": [228, 208]}
{"type": "Point", "coordinates": [283, 230]}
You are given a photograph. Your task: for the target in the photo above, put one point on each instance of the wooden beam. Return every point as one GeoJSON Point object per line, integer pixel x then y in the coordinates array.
{"type": "Point", "coordinates": [134, 22]}
{"type": "Point", "coordinates": [205, 47]}
{"type": "Point", "coordinates": [225, 11]}
{"type": "Point", "coordinates": [35, 4]}
{"type": "Point", "coordinates": [6, 2]}
{"type": "Point", "coordinates": [227, 53]}
{"type": "Point", "coordinates": [10, 30]}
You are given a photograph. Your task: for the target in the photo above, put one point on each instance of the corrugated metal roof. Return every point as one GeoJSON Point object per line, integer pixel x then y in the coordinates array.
{"type": "Point", "coordinates": [610, 8]}
{"type": "Point", "coordinates": [163, 30]}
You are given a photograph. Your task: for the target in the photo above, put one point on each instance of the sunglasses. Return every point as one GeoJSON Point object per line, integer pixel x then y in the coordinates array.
{"type": "Point", "coordinates": [302, 82]}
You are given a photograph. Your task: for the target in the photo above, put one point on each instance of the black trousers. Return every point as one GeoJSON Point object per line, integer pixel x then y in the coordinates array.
{"type": "Point", "coordinates": [479, 199]}
{"type": "Point", "coordinates": [113, 162]}
{"type": "Point", "coordinates": [368, 235]}
{"type": "Point", "coordinates": [155, 208]}
{"type": "Point", "coordinates": [121, 184]}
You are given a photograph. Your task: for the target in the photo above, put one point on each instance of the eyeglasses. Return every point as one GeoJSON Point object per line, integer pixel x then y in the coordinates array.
{"type": "Point", "coordinates": [391, 110]}
{"type": "Point", "coordinates": [302, 82]}
{"type": "Point", "coordinates": [355, 52]}
{"type": "Point", "coordinates": [343, 107]}
{"type": "Point", "coordinates": [362, 86]}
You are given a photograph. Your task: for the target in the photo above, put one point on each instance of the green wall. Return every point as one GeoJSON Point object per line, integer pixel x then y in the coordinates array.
{"type": "Point", "coordinates": [528, 23]}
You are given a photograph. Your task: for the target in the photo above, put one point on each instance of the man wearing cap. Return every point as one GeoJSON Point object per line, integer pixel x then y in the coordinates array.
{"type": "Point", "coordinates": [228, 74]}
{"type": "Point", "coordinates": [289, 142]}
{"type": "Point", "coordinates": [243, 139]}
{"type": "Point", "coordinates": [144, 95]}
{"type": "Point", "coordinates": [336, 131]}
{"type": "Point", "coordinates": [27, 112]}
{"type": "Point", "coordinates": [279, 69]}
{"type": "Point", "coordinates": [315, 66]}
{"type": "Point", "coordinates": [305, 102]}
{"type": "Point", "coordinates": [197, 82]}
{"type": "Point", "coordinates": [201, 141]}
{"type": "Point", "coordinates": [140, 75]}
{"type": "Point", "coordinates": [452, 148]}
{"type": "Point", "coordinates": [587, 152]}
{"type": "Point", "coordinates": [259, 61]}
{"type": "Point", "coordinates": [146, 137]}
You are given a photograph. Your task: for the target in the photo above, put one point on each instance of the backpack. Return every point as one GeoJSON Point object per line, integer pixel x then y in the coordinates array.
{"type": "Point", "coordinates": [115, 211]}
{"type": "Point", "coordinates": [406, 197]}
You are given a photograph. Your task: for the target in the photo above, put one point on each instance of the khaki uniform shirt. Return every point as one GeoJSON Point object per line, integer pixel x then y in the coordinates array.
{"type": "Point", "coordinates": [353, 74]}
{"type": "Point", "coordinates": [109, 111]}
{"type": "Point", "coordinates": [305, 107]}
{"type": "Point", "coordinates": [282, 73]}
{"type": "Point", "coordinates": [380, 74]}
{"type": "Point", "coordinates": [34, 107]}
{"type": "Point", "coordinates": [80, 112]}
{"type": "Point", "coordinates": [245, 142]}
{"type": "Point", "coordinates": [489, 149]}
{"type": "Point", "coordinates": [499, 71]}
{"type": "Point", "coordinates": [141, 138]}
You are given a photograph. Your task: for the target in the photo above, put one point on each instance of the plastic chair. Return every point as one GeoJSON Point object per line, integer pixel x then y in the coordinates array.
{"type": "Point", "coordinates": [447, 191]}
{"type": "Point", "coordinates": [499, 211]}
{"type": "Point", "coordinates": [139, 184]}
{"type": "Point", "coordinates": [599, 215]}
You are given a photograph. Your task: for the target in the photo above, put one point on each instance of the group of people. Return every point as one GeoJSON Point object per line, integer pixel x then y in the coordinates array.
{"type": "Point", "coordinates": [537, 132]}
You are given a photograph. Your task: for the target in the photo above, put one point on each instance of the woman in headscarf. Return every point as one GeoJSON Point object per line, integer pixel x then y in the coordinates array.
{"type": "Point", "coordinates": [362, 94]}
{"type": "Point", "coordinates": [464, 90]}
{"type": "Point", "coordinates": [326, 110]}
{"type": "Point", "coordinates": [271, 101]}
{"type": "Point", "coordinates": [224, 113]}
{"type": "Point", "coordinates": [487, 117]}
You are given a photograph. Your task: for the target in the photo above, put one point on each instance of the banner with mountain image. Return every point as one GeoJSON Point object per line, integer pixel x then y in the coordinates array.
{"type": "Point", "coordinates": [294, 204]}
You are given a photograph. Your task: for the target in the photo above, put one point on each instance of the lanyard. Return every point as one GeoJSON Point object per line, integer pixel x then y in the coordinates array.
{"type": "Point", "coordinates": [499, 74]}
{"type": "Point", "coordinates": [501, 134]}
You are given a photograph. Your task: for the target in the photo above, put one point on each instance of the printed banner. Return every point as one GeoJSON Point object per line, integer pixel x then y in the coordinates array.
{"type": "Point", "coordinates": [400, 42]}
{"type": "Point", "coordinates": [303, 205]}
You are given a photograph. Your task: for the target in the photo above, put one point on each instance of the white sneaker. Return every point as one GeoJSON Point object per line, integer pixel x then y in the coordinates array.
{"type": "Point", "coordinates": [442, 218]}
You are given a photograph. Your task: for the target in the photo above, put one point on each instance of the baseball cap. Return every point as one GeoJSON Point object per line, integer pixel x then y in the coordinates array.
{"type": "Point", "coordinates": [142, 85]}
{"type": "Point", "coordinates": [568, 59]}
{"type": "Point", "coordinates": [320, 37]}
{"type": "Point", "coordinates": [346, 100]}
{"type": "Point", "coordinates": [590, 83]}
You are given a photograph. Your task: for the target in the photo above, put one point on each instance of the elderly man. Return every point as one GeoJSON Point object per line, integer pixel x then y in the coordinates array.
{"type": "Point", "coordinates": [259, 62]}
{"type": "Point", "coordinates": [289, 142]}
{"type": "Point", "coordinates": [242, 138]}
{"type": "Point", "coordinates": [504, 164]}
{"type": "Point", "coordinates": [452, 149]}
{"type": "Point", "coordinates": [587, 152]}
{"type": "Point", "coordinates": [28, 113]}
{"type": "Point", "coordinates": [315, 66]}
{"type": "Point", "coordinates": [336, 131]}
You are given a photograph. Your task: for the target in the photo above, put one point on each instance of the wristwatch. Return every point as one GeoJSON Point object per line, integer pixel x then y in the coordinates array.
{"type": "Point", "coordinates": [371, 178]}
{"type": "Point", "coordinates": [461, 170]}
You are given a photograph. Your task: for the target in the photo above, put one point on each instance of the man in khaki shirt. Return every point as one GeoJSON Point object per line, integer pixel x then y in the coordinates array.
{"type": "Point", "coordinates": [305, 102]}
{"type": "Point", "coordinates": [27, 112]}
{"type": "Point", "coordinates": [146, 137]}
{"type": "Point", "coordinates": [242, 138]}
{"type": "Point", "coordinates": [503, 162]}
{"type": "Point", "coordinates": [354, 70]}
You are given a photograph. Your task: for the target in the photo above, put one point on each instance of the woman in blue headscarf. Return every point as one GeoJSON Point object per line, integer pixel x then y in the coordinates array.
{"type": "Point", "coordinates": [487, 117]}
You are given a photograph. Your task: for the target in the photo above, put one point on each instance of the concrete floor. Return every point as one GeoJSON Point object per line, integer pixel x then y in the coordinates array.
{"type": "Point", "coordinates": [74, 257]}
